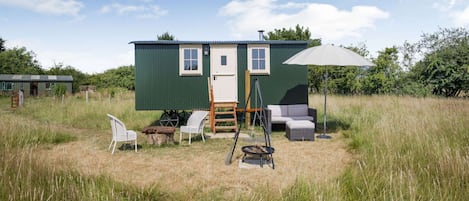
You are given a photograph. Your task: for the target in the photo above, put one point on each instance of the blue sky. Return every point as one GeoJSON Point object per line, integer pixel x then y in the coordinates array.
{"type": "Point", "coordinates": [93, 36]}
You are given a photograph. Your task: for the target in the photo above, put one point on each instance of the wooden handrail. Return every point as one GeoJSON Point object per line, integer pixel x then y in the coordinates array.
{"type": "Point", "coordinates": [212, 104]}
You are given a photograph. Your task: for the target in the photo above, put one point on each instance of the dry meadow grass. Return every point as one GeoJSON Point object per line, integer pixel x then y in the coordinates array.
{"type": "Point", "coordinates": [200, 168]}
{"type": "Point", "coordinates": [194, 171]}
{"type": "Point", "coordinates": [383, 148]}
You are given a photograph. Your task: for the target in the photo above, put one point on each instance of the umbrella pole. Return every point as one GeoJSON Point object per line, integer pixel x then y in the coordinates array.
{"type": "Point", "coordinates": [324, 135]}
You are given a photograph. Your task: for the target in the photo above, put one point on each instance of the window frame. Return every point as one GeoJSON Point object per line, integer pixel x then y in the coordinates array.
{"type": "Point", "coordinates": [7, 86]}
{"type": "Point", "coordinates": [266, 48]}
{"type": "Point", "coordinates": [182, 70]}
{"type": "Point", "coordinates": [50, 87]}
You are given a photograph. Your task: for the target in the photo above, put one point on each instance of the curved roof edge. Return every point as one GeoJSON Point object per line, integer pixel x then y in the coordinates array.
{"type": "Point", "coordinates": [176, 42]}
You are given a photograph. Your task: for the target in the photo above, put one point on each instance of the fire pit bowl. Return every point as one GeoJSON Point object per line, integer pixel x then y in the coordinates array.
{"type": "Point", "coordinates": [262, 152]}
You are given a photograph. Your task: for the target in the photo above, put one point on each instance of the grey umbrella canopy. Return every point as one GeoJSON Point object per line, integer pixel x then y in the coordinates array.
{"type": "Point", "coordinates": [328, 55]}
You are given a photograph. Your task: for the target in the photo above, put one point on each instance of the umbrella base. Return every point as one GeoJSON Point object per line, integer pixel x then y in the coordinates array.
{"type": "Point", "coordinates": [324, 136]}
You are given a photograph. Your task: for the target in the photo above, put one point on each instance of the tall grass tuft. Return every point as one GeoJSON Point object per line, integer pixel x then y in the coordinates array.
{"type": "Point", "coordinates": [20, 132]}
{"type": "Point", "coordinates": [77, 113]}
{"type": "Point", "coordinates": [25, 177]}
{"type": "Point", "coordinates": [409, 148]}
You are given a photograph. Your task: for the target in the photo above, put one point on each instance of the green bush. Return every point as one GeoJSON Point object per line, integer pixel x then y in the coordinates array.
{"type": "Point", "coordinates": [60, 89]}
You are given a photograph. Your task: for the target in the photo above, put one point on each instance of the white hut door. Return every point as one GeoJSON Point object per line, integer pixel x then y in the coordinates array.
{"type": "Point", "coordinates": [223, 72]}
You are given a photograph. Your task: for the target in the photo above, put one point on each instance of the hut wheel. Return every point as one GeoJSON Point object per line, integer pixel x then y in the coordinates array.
{"type": "Point", "coordinates": [169, 118]}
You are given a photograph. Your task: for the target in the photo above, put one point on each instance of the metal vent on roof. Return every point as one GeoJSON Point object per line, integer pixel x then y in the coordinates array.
{"type": "Point", "coordinates": [261, 35]}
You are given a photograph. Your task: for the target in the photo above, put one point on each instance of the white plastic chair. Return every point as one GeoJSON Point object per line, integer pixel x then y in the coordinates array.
{"type": "Point", "coordinates": [195, 125]}
{"type": "Point", "coordinates": [120, 133]}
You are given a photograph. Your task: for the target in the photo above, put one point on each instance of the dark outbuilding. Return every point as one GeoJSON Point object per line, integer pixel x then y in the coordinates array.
{"type": "Point", "coordinates": [33, 85]}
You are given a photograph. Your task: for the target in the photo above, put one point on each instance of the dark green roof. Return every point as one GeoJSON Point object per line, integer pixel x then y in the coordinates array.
{"type": "Point", "coordinates": [24, 78]}
{"type": "Point", "coordinates": [176, 42]}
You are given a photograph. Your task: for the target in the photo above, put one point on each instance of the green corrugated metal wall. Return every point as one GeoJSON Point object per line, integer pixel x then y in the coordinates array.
{"type": "Point", "coordinates": [242, 67]}
{"type": "Point", "coordinates": [286, 84]}
{"type": "Point", "coordinates": [41, 85]}
{"type": "Point", "coordinates": [158, 85]}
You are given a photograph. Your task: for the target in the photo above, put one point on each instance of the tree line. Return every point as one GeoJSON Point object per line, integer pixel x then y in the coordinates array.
{"type": "Point", "coordinates": [437, 64]}
{"type": "Point", "coordinates": [21, 61]}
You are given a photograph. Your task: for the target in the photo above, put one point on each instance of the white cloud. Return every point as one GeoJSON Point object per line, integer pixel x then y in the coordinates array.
{"type": "Point", "coordinates": [461, 18]}
{"type": "Point", "coordinates": [153, 12]}
{"type": "Point", "coordinates": [87, 61]}
{"type": "Point", "coordinates": [55, 7]}
{"type": "Point", "coordinates": [123, 9]}
{"type": "Point", "coordinates": [457, 10]}
{"type": "Point", "coordinates": [323, 20]}
{"type": "Point", "coordinates": [139, 11]}
{"type": "Point", "coordinates": [445, 5]}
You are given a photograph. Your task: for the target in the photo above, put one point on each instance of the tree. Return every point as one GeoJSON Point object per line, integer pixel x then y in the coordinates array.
{"type": "Point", "coordinates": [445, 62]}
{"type": "Point", "coordinates": [383, 78]}
{"type": "Point", "coordinates": [19, 61]}
{"type": "Point", "coordinates": [123, 77]}
{"type": "Point", "coordinates": [299, 33]}
{"type": "Point", "coordinates": [2, 45]}
{"type": "Point", "coordinates": [341, 79]}
{"type": "Point", "coordinates": [445, 70]}
{"type": "Point", "coordinates": [345, 79]}
{"type": "Point", "coordinates": [166, 36]}
{"type": "Point", "coordinates": [79, 78]}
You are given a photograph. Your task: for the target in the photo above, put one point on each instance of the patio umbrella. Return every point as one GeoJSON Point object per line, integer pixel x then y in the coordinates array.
{"type": "Point", "coordinates": [327, 55]}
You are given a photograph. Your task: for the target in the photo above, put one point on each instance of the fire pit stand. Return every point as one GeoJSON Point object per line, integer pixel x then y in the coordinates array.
{"type": "Point", "coordinates": [262, 152]}
{"type": "Point", "coordinates": [265, 121]}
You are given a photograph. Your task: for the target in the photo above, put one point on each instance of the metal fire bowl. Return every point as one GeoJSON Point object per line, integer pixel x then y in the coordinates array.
{"type": "Point", "coordinates": [257, 150]}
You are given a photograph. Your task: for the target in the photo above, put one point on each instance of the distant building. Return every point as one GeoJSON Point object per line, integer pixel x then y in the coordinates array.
{"type": "Point", "coordinates": [33, 85]}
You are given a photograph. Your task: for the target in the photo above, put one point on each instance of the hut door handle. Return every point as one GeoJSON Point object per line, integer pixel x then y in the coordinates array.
{"type": "Point", "coordinates": [214, 77]}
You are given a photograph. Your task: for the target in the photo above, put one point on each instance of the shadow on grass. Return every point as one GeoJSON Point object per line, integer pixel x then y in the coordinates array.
{"type": "Point", "coordinates": [332, 126]}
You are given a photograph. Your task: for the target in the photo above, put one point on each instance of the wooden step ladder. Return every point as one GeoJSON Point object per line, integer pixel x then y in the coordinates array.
{"type": "Point", "coordinates": [14, 100]}
{"type": "Point", "coordinates": [224, 116]}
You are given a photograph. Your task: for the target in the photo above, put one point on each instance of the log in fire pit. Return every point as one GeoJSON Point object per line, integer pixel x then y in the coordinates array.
{"type": "Point", "coordinates": [261, 152]}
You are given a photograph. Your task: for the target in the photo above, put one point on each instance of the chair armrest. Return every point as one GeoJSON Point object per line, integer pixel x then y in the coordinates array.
{"type": "Point", "coordinates": [313, 113]}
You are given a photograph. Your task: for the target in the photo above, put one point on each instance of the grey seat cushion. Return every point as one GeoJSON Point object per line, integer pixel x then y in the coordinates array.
{"type": "Point", "coordinates": [300, 124]}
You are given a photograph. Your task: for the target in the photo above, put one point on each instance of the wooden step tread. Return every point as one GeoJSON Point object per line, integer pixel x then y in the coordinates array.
{"type": "Point", "coordinates": [225, 112]}
{"type": "Point", "coordinates": [225, 120]}
{"type": "Point", "coordinates": [225, 127]}
{"type": "Point", "coordinates": [224, 105]}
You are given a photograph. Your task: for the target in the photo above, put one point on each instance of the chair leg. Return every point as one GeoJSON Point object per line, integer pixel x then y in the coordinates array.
{"type": "Point", "coordinates": [110, 145]}
{"type": "Point", "coordinates": [190, 137]}
{"type": "Point", "coordinates": [203, 138]}
{"type": "Point", "coordinates": [180, 137]}
{"type": "Point", "coordinates": [114, 148]}
{"type": "Point", "coordinates": [135, 145]}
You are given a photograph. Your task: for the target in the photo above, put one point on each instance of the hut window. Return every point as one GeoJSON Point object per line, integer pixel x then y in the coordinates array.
{"type": "Point", "coordinates": [190, 60]}
{"type": "Point", "coordinates": [49, 85]}
{"type": "Point", "coordinates": [7, 86]}
{"type": "Point", "coordinates": [223, 60]}
{"type": "Point", "coordinates": [259, 59]}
